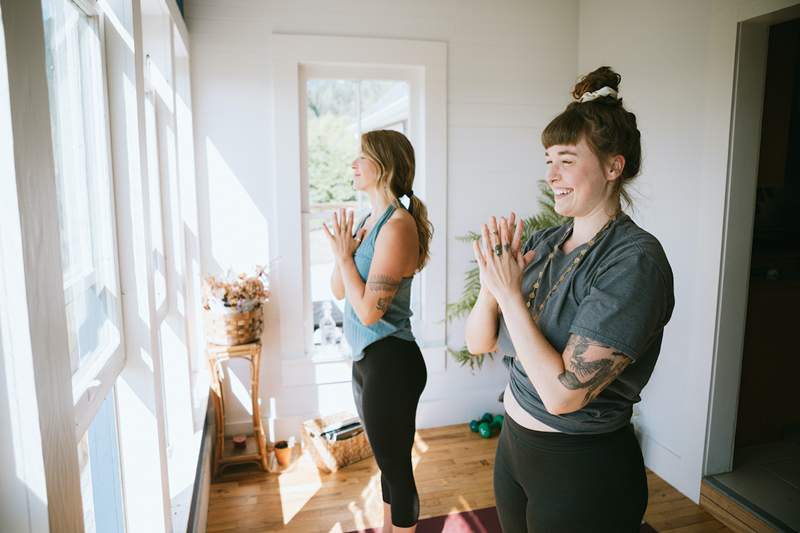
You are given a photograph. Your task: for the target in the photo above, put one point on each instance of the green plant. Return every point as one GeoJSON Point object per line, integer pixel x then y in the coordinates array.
{"type": "Point", "coordinates": [546, 218]}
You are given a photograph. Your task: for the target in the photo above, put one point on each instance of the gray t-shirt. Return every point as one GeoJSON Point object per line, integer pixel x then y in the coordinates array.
{"type": "Point", "coordinates": [621, 294]}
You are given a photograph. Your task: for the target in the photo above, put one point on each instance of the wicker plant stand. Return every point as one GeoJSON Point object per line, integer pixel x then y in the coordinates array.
{"type": "Point", "coordinates": [256, 449]}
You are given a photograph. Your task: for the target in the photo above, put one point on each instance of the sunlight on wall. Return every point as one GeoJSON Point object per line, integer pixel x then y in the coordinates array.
{"type": "Point", "coordinates": [140, 475]}
{"type": "Point", "coordinates": [335, 397]}
{"type": "Point", "coordinates": [175, 367]}
{"type": "Point", "coordinates": [24, 435]}
{"type": "Point", "coordinates": [147, 359]}
{"type": "Point", "coordinates": [237, 389]}
{"type": "Point", "coordinates": [238, 229]}
{"type": "Point", "coordinates": [162, 88]}
{"type": "Point", "coordinates": [137, 224]}
{"type": "Point", "coordinates": [16, 362]}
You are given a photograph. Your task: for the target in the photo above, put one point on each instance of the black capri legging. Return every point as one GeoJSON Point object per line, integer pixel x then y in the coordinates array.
{"type": "Point", "coordinates": [554, 482]}
{"type": "Point", "coordinates": [387, 384]}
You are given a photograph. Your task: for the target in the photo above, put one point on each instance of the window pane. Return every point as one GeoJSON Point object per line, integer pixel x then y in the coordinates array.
{"type": "Point", "coordinates": [101, 487]}
{"type": "Point", "coordinates": [384, 105]}
{"type": "Point", "coordinates": [338, 112]}
{"type": "Point", "coordinates": [83, 182]}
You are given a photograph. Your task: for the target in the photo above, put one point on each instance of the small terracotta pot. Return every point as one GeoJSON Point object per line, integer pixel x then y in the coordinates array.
{"type": "Point", "coordinates": [283, 453]}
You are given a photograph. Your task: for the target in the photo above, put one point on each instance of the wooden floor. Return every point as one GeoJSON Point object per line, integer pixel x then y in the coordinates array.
{"type": "Point", "coordinates": [453, 469]}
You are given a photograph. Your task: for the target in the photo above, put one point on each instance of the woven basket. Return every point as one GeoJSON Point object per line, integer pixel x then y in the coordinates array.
{"type": "Point", "coordinates": [331, 456]}
{"type": "Point", "coordinates": [230, 328]}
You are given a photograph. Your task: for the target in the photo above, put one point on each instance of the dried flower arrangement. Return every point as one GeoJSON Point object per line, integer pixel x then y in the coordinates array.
{"type": "Point", "coordinates": [236, 293]}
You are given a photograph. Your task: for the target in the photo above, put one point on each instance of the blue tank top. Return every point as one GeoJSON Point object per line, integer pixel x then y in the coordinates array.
{"type": "Point", "coordinates": [396, 321]}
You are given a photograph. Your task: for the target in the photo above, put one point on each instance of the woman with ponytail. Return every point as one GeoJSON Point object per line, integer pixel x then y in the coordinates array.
{"type": "Point", "coordinates": [375, 263]}
{"type": "Point", "coordinates": [579, 312]}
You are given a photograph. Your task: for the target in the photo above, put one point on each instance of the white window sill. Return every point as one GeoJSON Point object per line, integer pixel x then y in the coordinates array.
{"type": "Point", "coordinates": [330, 354]}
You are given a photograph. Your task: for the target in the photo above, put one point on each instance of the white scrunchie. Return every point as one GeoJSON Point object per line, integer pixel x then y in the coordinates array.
{"type": "Point", "coordinates": [605, 91]}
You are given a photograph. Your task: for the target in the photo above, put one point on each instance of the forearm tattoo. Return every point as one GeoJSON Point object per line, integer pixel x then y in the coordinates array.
{"type": "Point", "coordinates": [383, 304]}
{"type": "Point", "coordinates": [387, 286]}
{"type": "Point", "coordinates": [591, 375]}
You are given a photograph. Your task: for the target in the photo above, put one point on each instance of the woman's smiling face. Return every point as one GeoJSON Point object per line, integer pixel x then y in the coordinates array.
{"type": "Point", "coordinates": [579, 181]}
{"type": "Point", "coordinates": [365, 173]}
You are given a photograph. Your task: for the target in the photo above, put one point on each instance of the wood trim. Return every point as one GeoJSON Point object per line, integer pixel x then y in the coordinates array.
{"type": "Point", "coordinates": [729, 512]}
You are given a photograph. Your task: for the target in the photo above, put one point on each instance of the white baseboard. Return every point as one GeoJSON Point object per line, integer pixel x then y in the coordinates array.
{"type": "Point", "coordinates": [430, 413]}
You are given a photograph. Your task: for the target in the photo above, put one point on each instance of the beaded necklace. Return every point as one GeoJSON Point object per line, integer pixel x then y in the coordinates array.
{"type": "Point", "coordinates": [571, 267]}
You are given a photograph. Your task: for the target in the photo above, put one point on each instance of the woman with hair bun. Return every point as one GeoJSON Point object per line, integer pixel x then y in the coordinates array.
{"type": "Point", "coordinates": [375, 265]}
{"type": "Point", "coordinates": [579, 312]}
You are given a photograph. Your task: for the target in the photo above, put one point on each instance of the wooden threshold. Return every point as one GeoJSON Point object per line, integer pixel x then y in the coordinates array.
{"type": "Point", "coordinates": [728, 510]}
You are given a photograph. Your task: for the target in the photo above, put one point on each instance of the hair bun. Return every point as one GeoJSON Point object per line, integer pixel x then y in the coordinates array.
{"type": "Point", "coordinates": [595, 80]}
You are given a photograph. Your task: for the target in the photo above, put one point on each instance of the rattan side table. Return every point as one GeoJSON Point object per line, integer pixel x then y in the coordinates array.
{"type": "Point", "coordinates": [256, 447]}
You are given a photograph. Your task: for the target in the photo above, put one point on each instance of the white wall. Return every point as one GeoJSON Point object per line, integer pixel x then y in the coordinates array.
{"type": "Point", "coordinates": [509, 72]}
{"type": "Point", "coordinates": [23, 482]}
{"type": "Point", "coordinates": [677, 63]}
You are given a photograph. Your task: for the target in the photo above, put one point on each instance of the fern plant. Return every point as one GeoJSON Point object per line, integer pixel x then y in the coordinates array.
{"type": "Point", "coordinates": [546, 218]}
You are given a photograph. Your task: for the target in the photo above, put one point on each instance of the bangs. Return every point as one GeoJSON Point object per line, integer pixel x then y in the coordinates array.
{"type": "Point", "coordinates": [566, 128]}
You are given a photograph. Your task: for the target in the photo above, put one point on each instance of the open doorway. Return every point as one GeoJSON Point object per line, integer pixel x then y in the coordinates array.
{"type": "Point", "coordinates": [765, 473]}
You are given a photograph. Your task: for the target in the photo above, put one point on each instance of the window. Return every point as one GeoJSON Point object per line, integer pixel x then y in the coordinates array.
{"type": "Point", "coordinates": [86, 220]}
{"type": "Point", "coordinates": [338, 111]}
{"type": "Point", "coordinates": [98, 460]}
{"type": "Point", "coordinates": [76, 90]}
{"type": "Point", "coordinates": [300, 59]}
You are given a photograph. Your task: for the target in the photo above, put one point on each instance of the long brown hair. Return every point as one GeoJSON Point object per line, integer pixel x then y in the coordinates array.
{"type": "Point", "coordinates": [609, 129]}
{"type": "Point", "coordinates": [393, 154]}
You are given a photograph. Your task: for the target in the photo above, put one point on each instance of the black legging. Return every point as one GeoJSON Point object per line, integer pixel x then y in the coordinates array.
{"type": "Point", "coordinates": [387, 384]}
{"type": "Point", "coordinates": [554, 482]}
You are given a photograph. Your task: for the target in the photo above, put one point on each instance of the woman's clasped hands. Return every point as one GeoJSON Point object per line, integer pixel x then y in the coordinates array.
{"type": "Point", "coordinates": [499, 257]}
{"type": "Point", "coordinates": [340, 234]}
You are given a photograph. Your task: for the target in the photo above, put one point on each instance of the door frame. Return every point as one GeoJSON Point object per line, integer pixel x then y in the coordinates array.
{"type": "Point", "coordinates": [752, 39]}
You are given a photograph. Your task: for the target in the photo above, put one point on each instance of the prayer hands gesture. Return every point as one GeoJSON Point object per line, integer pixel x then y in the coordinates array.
{"type": "Point", "coordinates": [343, 244]}
{"type": "Point", "coordinates": [499, 259]}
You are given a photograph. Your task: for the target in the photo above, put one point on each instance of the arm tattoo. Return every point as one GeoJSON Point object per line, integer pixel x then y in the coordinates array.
{"type": "Point", "coordinates": [599, 372]}
{"type": "Point", "coordinates": [380, 283]}
{"type": "Point", "coordinates": [387, 286]}
{"type": "Point", "coordinates": [383, 304]}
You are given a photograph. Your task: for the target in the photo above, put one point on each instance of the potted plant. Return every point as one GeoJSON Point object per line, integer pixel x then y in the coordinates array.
{"type": "Point", "coordinates": [232, 307]}
{"type": "Point", "coordinates": [283, 452]}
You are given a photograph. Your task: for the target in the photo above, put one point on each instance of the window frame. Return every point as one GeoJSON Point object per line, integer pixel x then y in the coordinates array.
{"type": "Point", "coordinates": [427, 60]}
{"type": "Point", "coordinates": [93, 378]}
{"type": "Point", "coordinates": [316, 71]}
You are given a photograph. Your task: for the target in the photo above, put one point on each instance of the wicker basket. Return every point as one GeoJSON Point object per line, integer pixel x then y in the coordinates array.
{"type": "Point", "coordinates": [230, 328]}
{"type": "Point", "coordinates": [331, 456]}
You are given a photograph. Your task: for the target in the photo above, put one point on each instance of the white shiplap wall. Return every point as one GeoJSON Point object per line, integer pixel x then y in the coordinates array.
{"type": "Point", "coordinates": [510, 68]}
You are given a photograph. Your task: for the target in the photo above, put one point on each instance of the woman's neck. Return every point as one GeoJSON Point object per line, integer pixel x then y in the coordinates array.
{"type": "Point", "coordinates": [586, 227]}
{"type": "Point", "coordinates": [378, 203]}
